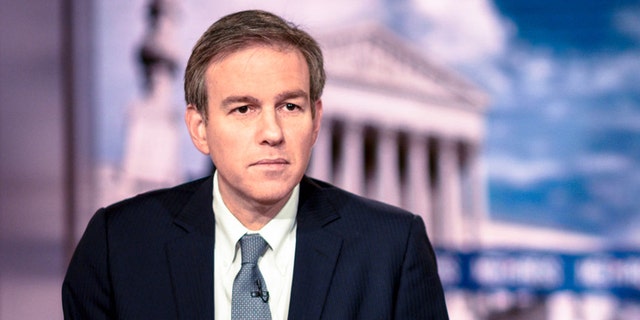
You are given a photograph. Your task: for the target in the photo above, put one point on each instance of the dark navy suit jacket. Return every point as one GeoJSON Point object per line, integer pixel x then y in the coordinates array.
{"type": "Point", "coordinates": [151, 257]}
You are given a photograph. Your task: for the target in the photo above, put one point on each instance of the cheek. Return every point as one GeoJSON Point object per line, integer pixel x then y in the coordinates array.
{"type": "Point", "coordinates": [225, 144]}
{"type": "Point", "coordinates": [226, 134]}
{"type": "Point", "coordinates": [304, 139]}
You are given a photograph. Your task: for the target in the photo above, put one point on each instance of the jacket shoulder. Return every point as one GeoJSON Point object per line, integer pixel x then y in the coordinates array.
{"type": "Point", "coordinates": [348, 204]}
{"type": "Point", "coordinates": [151, 212]}
{"type": "Point", "coordinates": [168, 199]}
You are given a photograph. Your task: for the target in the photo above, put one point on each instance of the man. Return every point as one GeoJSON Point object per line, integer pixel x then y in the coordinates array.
{"type": "Point", "coordinates": [253, 85]}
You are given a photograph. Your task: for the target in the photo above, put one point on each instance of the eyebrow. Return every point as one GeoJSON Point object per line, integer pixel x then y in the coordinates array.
{"type": "Point", "coordinates": [292, 95]}
{"type": "Point", "coordinates": [239, 99]}
{"type": "Point", "coordinates": [252, 100]}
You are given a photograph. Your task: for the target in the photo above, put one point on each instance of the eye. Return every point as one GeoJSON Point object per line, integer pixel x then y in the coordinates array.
{"type": "Point", "coordinates": [290, 106]}
{"type": "Point", "coordinates": [243, 109]}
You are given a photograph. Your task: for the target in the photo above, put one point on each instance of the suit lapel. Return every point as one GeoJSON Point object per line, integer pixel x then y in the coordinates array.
{"type": "Point", "coordinates": [317, 252]}
{"type": "Point", "coordinates": [190, 256]}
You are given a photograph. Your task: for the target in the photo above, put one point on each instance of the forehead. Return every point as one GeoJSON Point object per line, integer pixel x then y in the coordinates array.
{"type": "Point", "coordinates": [243, 50]}
{"type": "Point", "coordinates": [254, 63]}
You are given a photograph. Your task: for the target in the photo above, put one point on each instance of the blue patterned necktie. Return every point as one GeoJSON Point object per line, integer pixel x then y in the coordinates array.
{"type": "Point", "coordinates": [250, 296]}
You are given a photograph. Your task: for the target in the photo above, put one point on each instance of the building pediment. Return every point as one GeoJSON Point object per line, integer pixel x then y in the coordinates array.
{"type": "Point", "coordinates": [373, 58]}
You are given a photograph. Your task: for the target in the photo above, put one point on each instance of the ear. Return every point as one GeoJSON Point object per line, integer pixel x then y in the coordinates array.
{"type": "Point", "coordinates": [197, 128]}
{"type": "Point", "coordinates": [317, 120]}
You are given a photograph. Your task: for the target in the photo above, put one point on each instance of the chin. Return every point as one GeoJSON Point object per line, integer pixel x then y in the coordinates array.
{"type": "Point", "coordinates": [272, 192]}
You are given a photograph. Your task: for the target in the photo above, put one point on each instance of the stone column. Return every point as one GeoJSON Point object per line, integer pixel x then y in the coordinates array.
{"type": "Point", "coordinates": [450, 195]}
{"type": "Point", "coordinates": [351, 165]}
{"type": "Point", "coordinates": [477, 193]}
{"type": "Point", "coordinates": [596, 306]}
{"type": "Point", "coordinates": [562, 305]}
{"type": "Point", "coordinates": [418, 195]}
{"type": "Point", "coordinates": [320, 167]}
{"type": "Point", "coordinates": [387, 183]}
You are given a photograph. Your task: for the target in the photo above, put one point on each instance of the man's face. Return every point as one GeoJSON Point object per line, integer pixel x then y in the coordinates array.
{"type": "Point", "coordinates": [260, 127]}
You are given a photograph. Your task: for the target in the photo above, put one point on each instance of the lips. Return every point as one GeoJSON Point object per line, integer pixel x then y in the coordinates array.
{"type": "Point", "coordinates": [265, 162]}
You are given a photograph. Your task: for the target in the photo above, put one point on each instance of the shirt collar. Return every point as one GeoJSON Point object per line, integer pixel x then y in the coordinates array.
{"type": "Point", "coordinates": [230, 230]}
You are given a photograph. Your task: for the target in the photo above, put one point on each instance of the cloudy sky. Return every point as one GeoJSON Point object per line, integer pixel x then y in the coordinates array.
{"type": "Point", "coordinates": [563, 77]}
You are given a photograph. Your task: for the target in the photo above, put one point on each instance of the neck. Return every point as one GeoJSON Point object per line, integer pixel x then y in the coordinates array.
{"type": "Point", "coordinates": [252, 211]}
{"type": "Point", "coordinates": [254, 218]}
{"type": "Point", "coordinates": [254, 215]}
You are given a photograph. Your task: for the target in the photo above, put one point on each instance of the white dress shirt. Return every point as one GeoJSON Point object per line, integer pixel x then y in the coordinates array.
{"type": "Point", "coordinates": [276, 265]}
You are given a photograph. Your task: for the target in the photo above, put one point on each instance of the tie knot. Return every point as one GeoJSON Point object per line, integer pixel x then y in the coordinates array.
{"type": "Point", "coordinates": [252, 246]}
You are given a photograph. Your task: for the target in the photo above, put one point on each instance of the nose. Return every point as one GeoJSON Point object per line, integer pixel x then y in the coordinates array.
{"type": "Point", "coordinates": [270, 129]}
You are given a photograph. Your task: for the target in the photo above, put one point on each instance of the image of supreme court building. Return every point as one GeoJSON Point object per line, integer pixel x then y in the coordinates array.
{"type": "Point", "coordinates": [408, 131]}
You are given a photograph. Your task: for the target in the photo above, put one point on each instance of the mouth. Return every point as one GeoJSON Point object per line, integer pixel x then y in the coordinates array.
{"type": "Point", "coordinates": [270, 162]}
